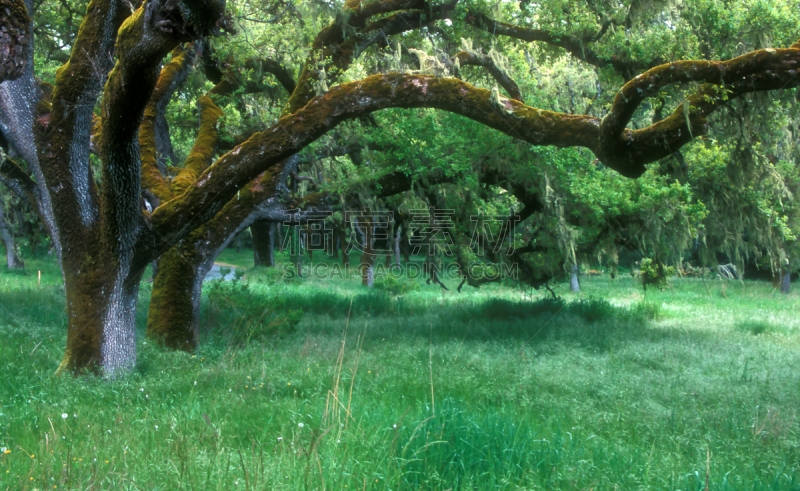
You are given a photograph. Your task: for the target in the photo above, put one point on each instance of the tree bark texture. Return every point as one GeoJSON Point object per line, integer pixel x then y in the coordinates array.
{"type": "Point", "coordinates": [15, 38]}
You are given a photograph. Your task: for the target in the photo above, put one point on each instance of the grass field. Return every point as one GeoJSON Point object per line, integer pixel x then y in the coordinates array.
{"type": "Point", "coordinates": [488, 389]}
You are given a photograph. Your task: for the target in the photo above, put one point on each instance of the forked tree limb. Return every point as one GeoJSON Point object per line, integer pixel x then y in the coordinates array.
{"type": "Point", "coordinates": [500, 75]}
{"type": "Point", "coordinates": [172, 75]}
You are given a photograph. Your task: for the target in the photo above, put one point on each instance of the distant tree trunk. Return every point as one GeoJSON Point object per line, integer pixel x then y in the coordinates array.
{"type": "Point", "coordinates": [786, 280]}
{"type": "Point", "coordinates": [295, 249]}
{"type": "Point", "coordinates": [14, 262]}
{"type": "Point", "coordinates": [397, 236]}
{"type": "Point", "coordinates": [334, 251]}
{"type": "Point", "coordinates": [574, 284]}
{"type": "Point", "coordinates": [306, 237]}
{"type": "Point", "coordinates": [263, 243]}
{"type": "Point", "coordinates": [365, 227]}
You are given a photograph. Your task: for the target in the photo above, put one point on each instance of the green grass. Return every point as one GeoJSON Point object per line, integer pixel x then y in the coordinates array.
{"type": "Point", "coordinates": [487, 389]}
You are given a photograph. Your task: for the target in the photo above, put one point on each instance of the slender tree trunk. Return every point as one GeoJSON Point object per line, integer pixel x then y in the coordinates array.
{"type": "Point", "coordinates": [295, 249]}
{"type": "Point", "coordinates": [368, 254]}
{"type": "Point", "coordinates": [305, 237]}
{"type": "Point", "coordinates": [13, 261]}
{"type": "Point", "coordinates": [397, 246]}
{"type": "Point", "coordinates": [342, 232]}
{"type": "Point", "coordinates": [334, 252]}
{"type": "Point", "coordinates": [574, 283]}
{"type": "Point", "coordinates": [263, 243]}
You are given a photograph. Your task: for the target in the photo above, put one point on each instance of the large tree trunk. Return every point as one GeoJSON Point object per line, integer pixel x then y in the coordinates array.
{"type": "Point", "coordinates": [173, 318]}
{"type": "Point", "coordinates": [101, 316]}
{"type": "Point", "coordinates": [263, 243]}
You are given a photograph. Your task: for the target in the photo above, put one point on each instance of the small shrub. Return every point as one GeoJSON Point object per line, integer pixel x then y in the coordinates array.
{"type": "Point", "coordinates": [593, 309]}
{"type": "Point", "coordinates": [394, 286]}
{"type": "Point", "coordinates": [247, 314]}
{"type": "Point", "coordinates": [755, 327]}
{"type": "Point", "coordinates": [647, 311]}
{"type": "Point", "coordinates": [656, 274]}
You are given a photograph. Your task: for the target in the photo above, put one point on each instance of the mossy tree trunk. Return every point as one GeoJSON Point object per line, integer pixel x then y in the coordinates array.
{"type": "Point", "coordinates": [104, 248]}
{"type": "Point", "coordinates": [173, 318]}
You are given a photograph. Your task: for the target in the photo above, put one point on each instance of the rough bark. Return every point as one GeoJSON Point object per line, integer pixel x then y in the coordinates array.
{"type": "Point", "coordinates": [175, 301]}
{"type": "Point", "coordinates": [15, 38]}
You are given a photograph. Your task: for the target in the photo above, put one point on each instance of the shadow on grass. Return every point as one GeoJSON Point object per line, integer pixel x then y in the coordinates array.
{"type": "Point", "coordinates": [593, 322]}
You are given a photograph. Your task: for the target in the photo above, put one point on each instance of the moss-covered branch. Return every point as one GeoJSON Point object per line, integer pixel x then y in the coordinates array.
{"type": "Point", "coordinates": [628, 151]}
{"type": "Point", "coordinates": [154, 30]}
{"type": "Point", "coordinates": [62, 129]}
{"type": "Point", "coordinates": [172, 75]}
{"type": "Point", "coordinates": [335, 47]}
{"type": "Point", "coordinates": [220, 182]}
{"type": "Point", "coordinates": [205, 145]}
{"type": "Point", "coordinates": [767, 69]}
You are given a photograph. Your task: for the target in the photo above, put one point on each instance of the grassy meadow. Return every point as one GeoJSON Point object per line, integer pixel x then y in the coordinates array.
{"type": "Point", "coordinates": [321, 384]}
